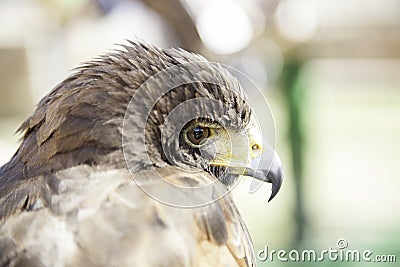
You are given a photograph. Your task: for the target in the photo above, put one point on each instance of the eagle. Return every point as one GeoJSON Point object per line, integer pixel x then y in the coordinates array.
{"type": "Point", "coordinates": [129, 162]}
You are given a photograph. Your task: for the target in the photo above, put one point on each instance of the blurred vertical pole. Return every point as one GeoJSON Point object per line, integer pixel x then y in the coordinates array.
{"type": "Point", "coordinates": [181, 21]}
{"type": "Point", "coordinates": [293, 93]}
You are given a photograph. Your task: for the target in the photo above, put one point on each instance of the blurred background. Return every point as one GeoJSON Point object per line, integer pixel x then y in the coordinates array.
{"type": "Point", "coordinates": [329, 69]}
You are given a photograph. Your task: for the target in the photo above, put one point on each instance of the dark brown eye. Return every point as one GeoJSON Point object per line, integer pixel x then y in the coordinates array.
{"type": "Point", "coordinates": [198, 134]}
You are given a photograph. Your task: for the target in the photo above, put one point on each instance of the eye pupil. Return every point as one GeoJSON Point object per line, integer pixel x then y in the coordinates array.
{"type": "Point", "coordinates": [198, 133]}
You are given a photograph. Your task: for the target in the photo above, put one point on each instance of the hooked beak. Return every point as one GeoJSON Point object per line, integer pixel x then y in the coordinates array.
{"type": "Point", "coordinates": [236, 150]}
{"type": "Point", "coordinates": [273, 175]}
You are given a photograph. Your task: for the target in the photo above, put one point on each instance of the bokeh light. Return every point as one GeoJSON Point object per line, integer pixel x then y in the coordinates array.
{"type": "Point", "coordinates": [224, 26]}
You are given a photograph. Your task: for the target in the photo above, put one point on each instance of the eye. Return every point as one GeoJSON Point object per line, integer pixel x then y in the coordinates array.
{"type": "Point", "coordinates": [198, 134]}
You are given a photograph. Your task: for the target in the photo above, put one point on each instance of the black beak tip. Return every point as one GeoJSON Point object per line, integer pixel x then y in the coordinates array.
{"type": "Point", "coordinates": [273, 176]}
{"type": "Point", "coordinates": [276, 180]}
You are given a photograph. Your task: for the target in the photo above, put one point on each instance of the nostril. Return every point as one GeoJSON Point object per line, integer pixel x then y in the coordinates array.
{"type": "Point", "coordinates": [255, 147]}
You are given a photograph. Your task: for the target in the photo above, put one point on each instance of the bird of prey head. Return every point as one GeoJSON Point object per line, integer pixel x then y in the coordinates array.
{"type": "Point", "coordinates": [144, 109]}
